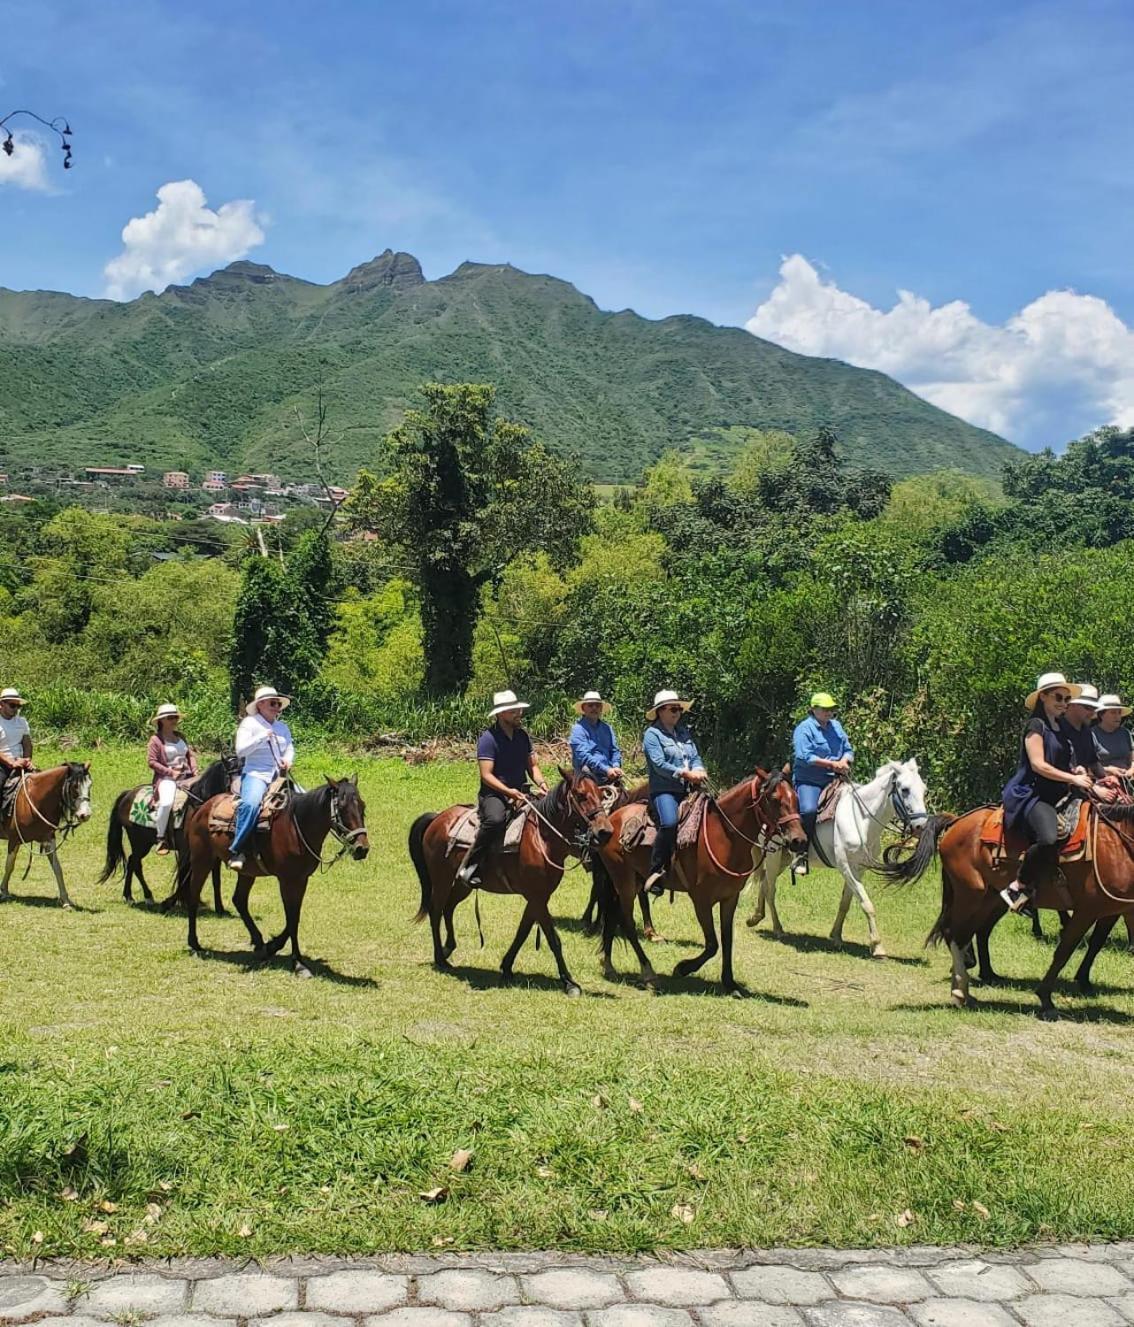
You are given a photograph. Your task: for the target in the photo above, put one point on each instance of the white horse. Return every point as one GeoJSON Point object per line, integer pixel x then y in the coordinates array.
{"type": "Point", "coordinates": [851, 843]}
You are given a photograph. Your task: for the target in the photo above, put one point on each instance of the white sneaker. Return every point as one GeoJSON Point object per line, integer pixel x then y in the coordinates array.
{"type": "Point", "coordinates": [236, 863]}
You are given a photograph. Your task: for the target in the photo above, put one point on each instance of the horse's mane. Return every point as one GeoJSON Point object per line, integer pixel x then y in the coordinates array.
{"type": "Point", "coordinates": [551, 803]}
{"type": "Point", "coordinates": [1115, 811]}
{"type": "Point", "coordinates": [639, 793]}
{"type": "Point", "coordinates": [318, 799]}
{"type": "Point", "coordinates": [212, 780]}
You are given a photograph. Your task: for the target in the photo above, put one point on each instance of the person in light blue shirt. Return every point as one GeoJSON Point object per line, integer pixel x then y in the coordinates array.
{"type": "Point", "coordinates": [594, 747]}
{"type": "Point", "coordinates": [822, 752]}
{"type": "Point", "coordinates": [675, 768]}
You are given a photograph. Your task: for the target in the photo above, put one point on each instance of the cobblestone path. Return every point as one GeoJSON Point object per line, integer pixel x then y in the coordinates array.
{"type": "Point", "coordinates": [1067, 1286]}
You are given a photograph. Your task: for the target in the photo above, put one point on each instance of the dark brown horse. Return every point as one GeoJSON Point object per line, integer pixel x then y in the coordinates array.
{"type": "Point", "coordinates": [142, 838]}
{"type": "Point", "coordinates": [562, 823]}
{"type": "Point", "coordinates": [290, 849]}
{"type": "Point", "coordinates": [971, 882]}
{"type": "Point", "coordinates": [713, 871]}
{"type": "Point", "coordinates": [47, 802]}
{"type": "Point", "coordinates": [592, 914]}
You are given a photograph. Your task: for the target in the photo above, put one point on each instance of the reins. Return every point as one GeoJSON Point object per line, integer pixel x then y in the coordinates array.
{"type": "Point", "coordinates": [764, 843]}
{"type": "Point", "coordinates": [346, 837]}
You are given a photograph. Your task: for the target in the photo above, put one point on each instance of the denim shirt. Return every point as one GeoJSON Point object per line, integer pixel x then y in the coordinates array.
{"type": "Point", "coordinates": [668, 753]}
{"type": "Point", "coordinates": [594, 748]}
{"type": "Point", "coordinates": [813, 740]}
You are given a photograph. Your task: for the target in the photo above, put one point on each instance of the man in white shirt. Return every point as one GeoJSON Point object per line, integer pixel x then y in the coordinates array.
{"type": "Point", "coordinates": [263, 741]}
{"type": "Point", "coordinates": [15, 737]}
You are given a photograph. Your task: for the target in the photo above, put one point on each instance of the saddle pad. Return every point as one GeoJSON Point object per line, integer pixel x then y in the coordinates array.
{"type": "Point", "coordinates": [829, 801]}
{"type": "Point", "coordinates": [465, 828]}
{"type": "Point", "coordinates": [1073, 846]}
{"type": "Point", "coordinates": [222, 816]}
{"type": "Point", "coordinates": [639, 830]}
{"type": "Point", "coordinates": [144, 806]}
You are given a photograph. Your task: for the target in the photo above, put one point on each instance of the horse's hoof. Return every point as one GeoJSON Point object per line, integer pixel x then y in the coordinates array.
{"type": "Point", "coordinates": [879, 952]}
{"type": "Point", "coordinates": [66, 904]}
{"type": "Point", "coordinates": [650, 986]}
{"type": "Point", "coordinates": [1086, 987]}
{"type": "Point", "coordinates": [301, 971]}
{"type": "Point", "coordinates": [737, 992]}
{"type": "Point", "coordinates": [836, 937]}
{"type": "Point", "coordinates": [197, 953]}
{"type": "Point", "coordinates": [777, 933]}
{"type": "Point", "coordinates": [753, 921]}
{"type": "Point", "coordinates": [608, 973]}
{"type": "Point", "coordinates": [222, 912]}
{"type": "Point", "coordinates": [1048, 1015]}
{"type": "Point", "coordinates": [655, 937]}
{"type": "Point", "coordinates": [959, 997]}
{"type": "Point", "coordinates": [571, 990]}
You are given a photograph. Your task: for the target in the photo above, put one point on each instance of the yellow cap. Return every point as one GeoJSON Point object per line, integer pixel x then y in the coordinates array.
{"type": "Point", "coordinates": [823, 700]}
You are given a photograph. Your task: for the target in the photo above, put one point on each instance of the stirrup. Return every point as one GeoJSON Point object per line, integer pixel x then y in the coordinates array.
{"type": "Point", "coordinates": [655, 883]}
{"type": "Point", "coordinates": [1015, 897]}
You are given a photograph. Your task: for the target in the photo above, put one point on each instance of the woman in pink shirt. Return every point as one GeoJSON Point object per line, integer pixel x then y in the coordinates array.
{"type": "Point", "coordinates": [173, 761]}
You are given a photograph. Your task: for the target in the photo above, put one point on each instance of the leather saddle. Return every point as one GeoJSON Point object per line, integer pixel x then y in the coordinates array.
{"type": "Point", "coordinates": [1009, 845]}
{"type": "Point", "coordinates": [222, 813]}
{"type": "Point", "coordinates": [640, 831]}
{"type": "Point", "coordinates": [465, 827]}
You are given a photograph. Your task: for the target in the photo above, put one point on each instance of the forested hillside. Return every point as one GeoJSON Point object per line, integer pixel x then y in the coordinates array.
{"type": "Point", "coordinates": [208, 375]}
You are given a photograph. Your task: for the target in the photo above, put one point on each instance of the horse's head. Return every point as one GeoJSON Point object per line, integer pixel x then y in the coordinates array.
{"type": "Point", "coordinates": [907, 793]}
{"type": "Point", "coordinates": [348, 816]}
{"type": "Point", "coordinates": [586, 807]}
{"type": "Point", "coordinates": [777, 807]}
{"type": "Point", "coordinates": [77, 792]}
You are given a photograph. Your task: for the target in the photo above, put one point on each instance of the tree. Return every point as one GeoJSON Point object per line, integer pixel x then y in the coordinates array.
{"type": "Point", "coordinates": [465, 495]}
{"type": "Point", "coordinates": [273, 638]}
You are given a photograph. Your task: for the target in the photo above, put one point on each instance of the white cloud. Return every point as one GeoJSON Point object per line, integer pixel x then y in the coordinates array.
{"type": "Point", "coordinates": [1061, 366]}
{"type": "Point", "coordinates": [179, 237]}
{"type": "Point", "coordinates": [26, 168]}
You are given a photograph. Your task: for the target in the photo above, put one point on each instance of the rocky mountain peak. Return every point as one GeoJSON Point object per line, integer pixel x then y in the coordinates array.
{"type": "Point", "coordinates": [400, 271]}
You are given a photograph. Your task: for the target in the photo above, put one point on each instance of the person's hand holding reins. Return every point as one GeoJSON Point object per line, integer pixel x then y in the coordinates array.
{"type": "Point", "coordinates": [695, 775]}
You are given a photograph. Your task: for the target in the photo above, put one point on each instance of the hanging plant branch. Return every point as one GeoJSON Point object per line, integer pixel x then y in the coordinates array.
{"type": "Point", "coordinates": [59, 126]}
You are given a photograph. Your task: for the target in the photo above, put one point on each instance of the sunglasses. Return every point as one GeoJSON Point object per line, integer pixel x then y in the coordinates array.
{"type": "Point", "coordinates": [1061, 697]}
{"type": "Point", "coordinates": [671, 709]}
{"type": "Point", "coordinates": [274, 704]}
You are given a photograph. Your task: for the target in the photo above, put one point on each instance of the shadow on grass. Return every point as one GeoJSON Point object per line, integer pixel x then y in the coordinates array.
{"type": "Point", "coordinates": [492, 979]}
{"type": "Point", "coordinates": [576, 926]}
{"type": "Point", "coordinates": [248, 960]}
{"type": "Point", "coordinates": [823, 944]}
{"type": "Point", "coordinates": [1030, 1008]}
{"type": "Point", "coordinates": [46, 901]}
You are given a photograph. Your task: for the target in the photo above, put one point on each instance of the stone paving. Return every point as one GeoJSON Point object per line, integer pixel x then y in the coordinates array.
{"type": "Point", "coordinates": [1066, 1286]}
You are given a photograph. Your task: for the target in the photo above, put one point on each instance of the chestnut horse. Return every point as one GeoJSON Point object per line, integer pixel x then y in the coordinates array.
{"type": "Point", "coordinates": [47, 802]}
{"type": "Point", "coordinates": [290, 849]}
{"type": "Point", "coordinates": [565, 821]}
{"type": "Point", "coordinates": [713, 871]}
{"type": "Point", "coordinates": [971, 883]}
{"type": "Point", "coordinates": [592, 914]}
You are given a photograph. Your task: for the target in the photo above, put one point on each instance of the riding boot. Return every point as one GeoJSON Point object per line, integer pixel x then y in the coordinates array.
{"type": "Point", "coordinates": [808, 820]}
{"type": "Point", "coordinates": [660, 860]}
{"type": "Point", "coordinates": [469, 872]}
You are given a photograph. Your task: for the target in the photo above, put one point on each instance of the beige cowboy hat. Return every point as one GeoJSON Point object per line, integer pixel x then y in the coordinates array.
{"type": "Point", "coordinates": [1088, 696]}
{"type": "Point", "coordinates": [166, 712]}
{"type": "Point", "coordinates": [12, 695]}
{"type": "Point", "coordinates": [667, 698]}
{"type": "Point", "coordinates": [266, 693]}
{"type": "Point", "coordinates": [503, 701]}
{"type": "Point", "coordinates": [1111, 702]}
{"type": "Point", "coordinates": [593, 698]}
{"type": "Point", "coordinates": [1046, 682]}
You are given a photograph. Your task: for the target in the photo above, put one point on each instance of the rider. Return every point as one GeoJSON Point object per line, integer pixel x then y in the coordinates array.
{"type": "Point", "coordinates": [173, 761]}
{"type": "Point", "coordinates": [822, 753]}
{"type": "Point", "coordinates": [1045, 771]}
{"type": "Point", "coordinates": [674, 766]}
{"type": "Point", "coordinates": [506, 759]}
{"type": "Point", "coordinates": [264, 743]}
{"type": "Point", "coordinates": [15, 737]}
{"type": "Point", "coordinates": [1078, 724]}
{"type": "Point", "coordinates": [594, 747]}
{"type": "Point", "coordinates": [1113, 742]}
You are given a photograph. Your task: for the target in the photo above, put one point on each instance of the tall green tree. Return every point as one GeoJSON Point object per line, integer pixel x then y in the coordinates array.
{"type": "Point", "coordinates": [274, 640]}
{"type": "Point", "coordinates": [465, 494]}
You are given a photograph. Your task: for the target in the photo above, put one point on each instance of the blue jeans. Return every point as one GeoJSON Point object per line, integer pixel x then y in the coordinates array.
{"type": "Point", "coordinates": [809, 795]}
{"type": "Point", "coordinates": [252, 790]}
{"type": "Point", "coordinates": [665, 807]}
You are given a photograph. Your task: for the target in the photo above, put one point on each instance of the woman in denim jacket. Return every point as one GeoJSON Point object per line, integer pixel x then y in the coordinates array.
{"type": "Point", "coordinates": [675, 766]}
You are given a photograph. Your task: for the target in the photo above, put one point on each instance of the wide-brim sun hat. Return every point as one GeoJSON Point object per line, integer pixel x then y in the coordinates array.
{"type": "Point", "coordinates": [266, 693]}
{"type": "Point", "coordinates": [11, 694]}
{"type": "Point", "coordinates": [667, 698]}
{"type": "Point", "coordinates": [1111, 702]}
{"type": "Point", "coordinates": [1088, 696]}
{"type": "Point", "coordinates": [1046, 682]}
{"type": "Point", "coordinates": [166, 712]}
{"type": "Point", "coordinates": [592, 698]}
{"type": "Point", "coordinates": [822, 700]}
{"type": "Point", "coordinates": [503, 701]}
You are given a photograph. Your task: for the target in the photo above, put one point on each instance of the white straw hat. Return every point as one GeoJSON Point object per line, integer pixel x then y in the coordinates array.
{"type": "Point", "coordinates": [503, 701]}
{"type": "Point", "coordinates": [667, 698]}
{"type": "Point", "coordinates": [1088, 696]}
{"type": "Point", "coordinates": [10, 693]}
{"type": "Point", "coordinates": [593, 698]}
{"type": "Point", "coordinates": [1111, 702]}
{"type": "Point", "coordinates": [266, 693]}
{"type": "Point", "coordinates": [1045, 683]}
{"type": "Point", "coordinates": [166, 712]}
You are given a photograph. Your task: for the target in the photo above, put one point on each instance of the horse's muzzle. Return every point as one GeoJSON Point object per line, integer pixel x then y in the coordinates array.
{"type": "Point", "coordinates": [601, 836]}
{"type": "Point", "coordinates": [360, 851]}
{"type": "Point", "coordinates": [798, 841]}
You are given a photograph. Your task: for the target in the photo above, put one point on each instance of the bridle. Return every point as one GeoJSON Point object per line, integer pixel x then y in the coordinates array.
{"type": "Point", "coordinates": [69, 797]}
{"type": "Point", "coordinates": [346, 837]}
{"type": "Point", "coordinates": [897, 801]}
{"type": "Point", "coordinates": [772, 833]}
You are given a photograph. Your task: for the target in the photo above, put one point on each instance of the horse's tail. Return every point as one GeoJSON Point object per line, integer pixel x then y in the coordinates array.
{"type": "Point", "coordinates": [115, 857]}
{"type": "Point", "coordinates": [942, 928]}
{"type": "Point", "coordinates": [609, 906]}
{"type": "Point", "coordinates": [909, 870]}
{"type": "Point", "coordinates": [421, 866]}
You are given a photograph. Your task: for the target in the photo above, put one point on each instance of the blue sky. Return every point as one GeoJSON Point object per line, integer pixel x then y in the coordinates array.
{"type": "Point", "coordinates": [794, 165]}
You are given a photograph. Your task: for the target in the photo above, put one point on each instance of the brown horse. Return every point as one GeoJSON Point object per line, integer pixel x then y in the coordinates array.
{"type": "Point", "coordinates": [47, 803]}
{"type": "Point", "coordinates": [290, 849]}
{"type": "Point", "coordinates": [592, 914]}
{"type": "Point", "coordinates": [971, 882]}
{"type": "Point", "coordinates": [713, 871]}
{"type": "Point", "coordinates": [563, 822]}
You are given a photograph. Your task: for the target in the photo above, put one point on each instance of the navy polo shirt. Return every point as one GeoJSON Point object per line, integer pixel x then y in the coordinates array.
{"type": "Point", "coordinates": [509, 755]}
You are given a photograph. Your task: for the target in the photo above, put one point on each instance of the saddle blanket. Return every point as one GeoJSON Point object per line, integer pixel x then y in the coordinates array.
{"type": "Point", "coordinates": [222, 816]}
{"type": "Point", "coordinates": [639, 830]}
{"type": "Point", "coordinates": [465, 827]}
{"type": "Point", "coordinates": [144, 807]}
{"type": "Point", "coordinates": [829, 801]}
{"type": "Point", "coordinates": [1074, 845]}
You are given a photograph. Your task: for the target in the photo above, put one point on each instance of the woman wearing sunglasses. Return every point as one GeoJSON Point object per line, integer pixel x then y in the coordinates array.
{"type": "Point", "coordinates": [263, 742]}
{"type": "Point", "coordinates": [1042, 778]}
{"type": "Point", "coordinates": [675, 767]}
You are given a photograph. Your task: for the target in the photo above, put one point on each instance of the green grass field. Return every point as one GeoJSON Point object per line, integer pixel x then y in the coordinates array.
{"type": "Point", "coordinates": [175, 1106]}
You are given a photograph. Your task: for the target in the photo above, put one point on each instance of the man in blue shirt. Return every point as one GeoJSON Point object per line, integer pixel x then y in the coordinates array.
{"type": "Point", "coordinates": [822, 753]}
{"type": "Point", "coordinates": [594, 747]}
{"type": "Point", "coordinates": [506, 759]}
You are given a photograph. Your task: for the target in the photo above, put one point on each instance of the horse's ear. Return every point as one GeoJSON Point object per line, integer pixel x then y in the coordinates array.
{"type": "Point", "coordinates": [86, 767]}
{"type": "Point", "coordinates": [354, 779]}
{"type": "Point", "coordinates": [331, 783]}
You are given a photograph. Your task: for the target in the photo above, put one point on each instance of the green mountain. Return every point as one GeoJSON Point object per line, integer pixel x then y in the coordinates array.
{"type": "Point", "coordinates": [210, 375]}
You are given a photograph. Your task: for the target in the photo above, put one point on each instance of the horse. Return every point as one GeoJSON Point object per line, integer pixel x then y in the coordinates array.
{"type": "Point", "coordinates": [713, 870]}
{"type": "Point", "coordinates": [46, 802]}
{"type": "Point", "coordinates": [971, 881]}
{"type": "Point", "coordinates": [850, 843]}
{"type": "Point", "coordinates": [592, 914]}
{"type": "Point", "coordinates": [215, 779]}
{"type": "Point", "coordinates": [290, 849]}
{"type": "Point", "coordinates": [562, 822]}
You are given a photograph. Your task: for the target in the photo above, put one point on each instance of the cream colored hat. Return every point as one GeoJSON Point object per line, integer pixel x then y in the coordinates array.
{"type": "Point", "coordinates": [1046, 682]}
{"type": "Point", "coordinates": [1088, 696]}
{"type": "Point", "coordinates": [10, 693]}
{"type": "Point", "coordinates": [593, 698]}
{"type": "Point", "coordinates": [503, 701]}
{"type": "Point", "coordinates": [667, 698]}
{"type": "Point", "coordinates": [266, 693]}
{"type": "Point", "coordinates": [1111, 702]}
{"type": "Point", "coordinates": [166, 712]}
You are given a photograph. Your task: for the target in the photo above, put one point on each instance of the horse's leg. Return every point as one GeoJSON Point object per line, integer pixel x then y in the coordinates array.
{"type": "Point", "coordinates": [459, 893]}
{"type": "Point", "coordinates": [1073, 932]}
{"type": "Point", "coordinates": [57, 871]}
{"type": "Point", "coordinates": [438, 902]}
{"type": "Point", "coordinates": [618, 914]}
{"type": "Point", "coordinates": [648, 929]}
{"type": "Point", "coordinates": [959, 990]}
{"type": "Point", "coordinates": [841, 915]}
{"type": "Point", "coordinates": [218, 902]}
{"type": "Point", "coordinates": [728, 915]}
{"type": "Point", "coordinates": [527, 921]}
{"type": "Point", "coordinates": [851, 881]}
{"type": "Point", "coordinates": [704, 911]}
{"type": "Point", "coordinates": [756, 916]}
{"type": "Point", "coordinates": [198, 871]}
{"type": "Point", "coordinates": [543, 919]}
{"type": "Point", "coordinates": [240, 903]}
{"type": "Point", "coordinates": [14, 846]}
{"type": "Point", "coordinates": [773, 867]}
{"type": "Point", "coordinates": [292, 892]}
{"type": "Point", "coordinates": [1128, 918]}
{"type": "Point", "coordinates": [1103, 928]}
{"type": "Point", "coordinates": [591, 911]}
{"type": "Point", "coordinates": [988, 976]}
{"type": "Point", "coordinates": [1037, 928]}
